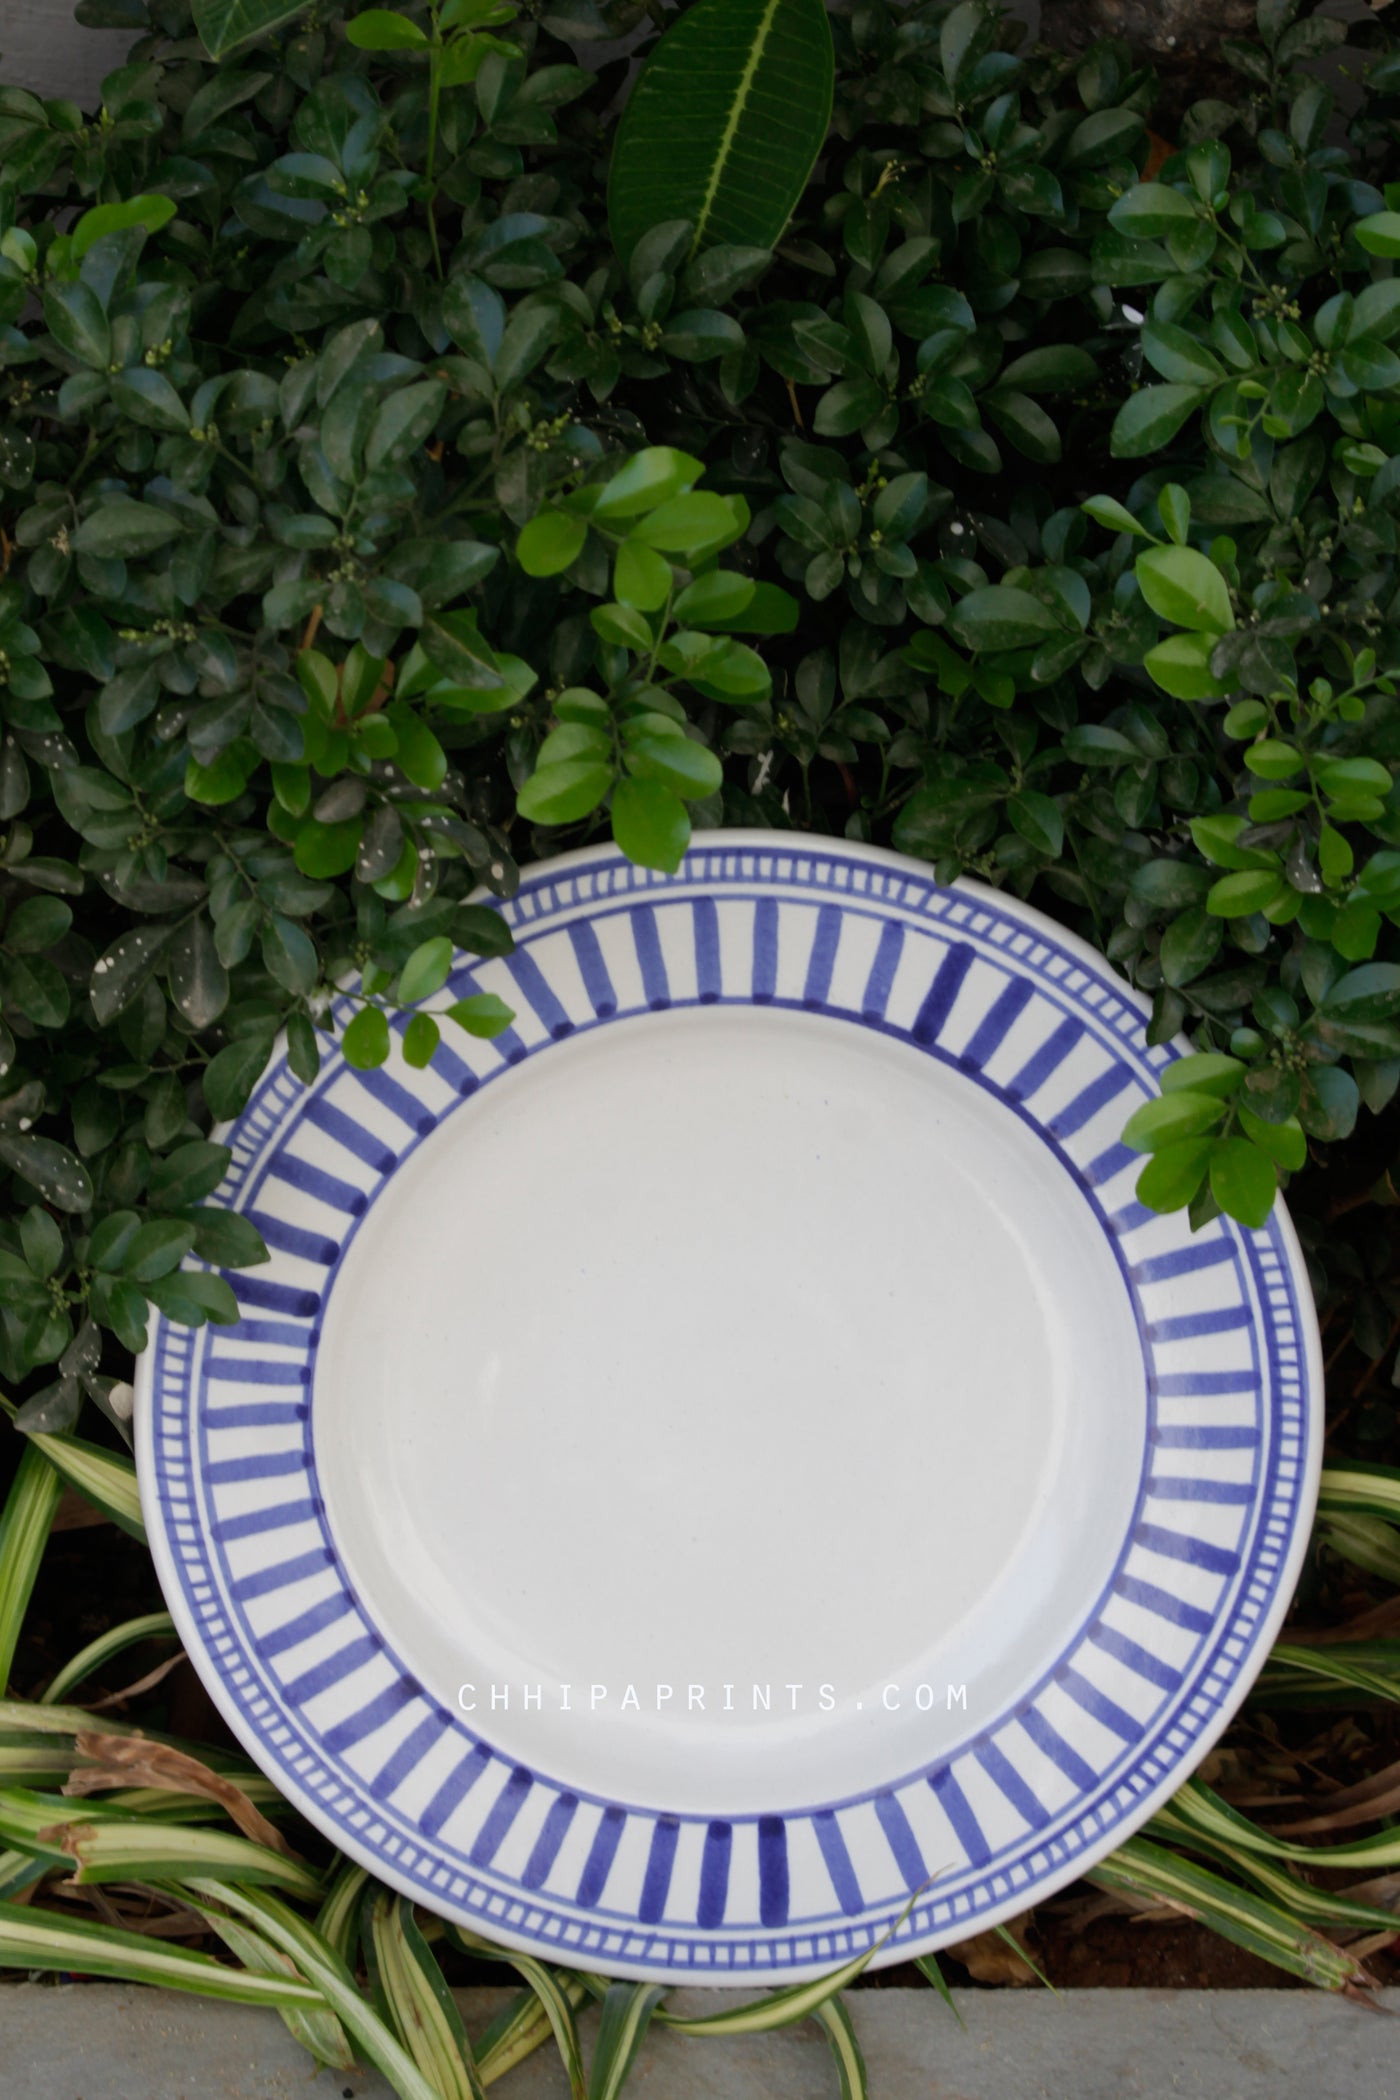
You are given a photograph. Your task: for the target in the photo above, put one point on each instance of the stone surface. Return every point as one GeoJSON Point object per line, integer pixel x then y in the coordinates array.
{"type": "Point", "coordinates": [110, 2042]}
{"type": "Point", "coordinates": [43, 48]}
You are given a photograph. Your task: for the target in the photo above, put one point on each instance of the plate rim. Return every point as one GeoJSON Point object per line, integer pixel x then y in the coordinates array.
{"type": "Point", "coordinates": [876, 1912]}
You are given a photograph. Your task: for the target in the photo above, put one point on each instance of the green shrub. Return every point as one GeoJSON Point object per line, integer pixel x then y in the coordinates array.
{"type": "Point", "coordinates": [369, 526]}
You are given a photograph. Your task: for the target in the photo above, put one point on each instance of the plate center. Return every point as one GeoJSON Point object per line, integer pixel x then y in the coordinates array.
{"type": "Point", "coordinates": [729, 1407]}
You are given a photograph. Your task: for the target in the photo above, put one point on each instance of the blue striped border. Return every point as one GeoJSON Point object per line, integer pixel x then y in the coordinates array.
{"type": "Point", "coordinates": [515, 1853]}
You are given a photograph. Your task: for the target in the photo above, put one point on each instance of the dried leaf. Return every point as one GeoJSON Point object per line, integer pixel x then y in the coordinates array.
{"type": "Point", "coordinates": [1367, 1802]}
{"type": "Point", "coordinates": [132, 1760]}
{"type": "Point", "coordinates": [989, 1957]}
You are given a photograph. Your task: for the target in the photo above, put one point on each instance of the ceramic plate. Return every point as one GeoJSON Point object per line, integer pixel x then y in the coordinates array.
{"type": "Point", "coordinates": [732, 1452]}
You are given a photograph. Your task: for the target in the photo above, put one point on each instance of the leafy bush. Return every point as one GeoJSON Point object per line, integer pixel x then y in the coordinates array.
{"type": "Point", "coordinates": [370, 525]}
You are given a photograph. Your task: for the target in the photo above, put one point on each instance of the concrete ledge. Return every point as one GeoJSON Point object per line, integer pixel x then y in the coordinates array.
{"type": "Point", "coordinates": [111, 2042]}
{"type": "Point", "coordinates": [44, 49]}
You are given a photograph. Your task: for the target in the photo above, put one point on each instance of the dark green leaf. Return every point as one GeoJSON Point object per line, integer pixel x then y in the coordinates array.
{"type": "Point", "coordinates": [754, 78]}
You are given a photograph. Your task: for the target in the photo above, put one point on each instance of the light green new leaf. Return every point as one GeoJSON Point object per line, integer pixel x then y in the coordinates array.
{"type": "Point", "coordinates": [650, 823]}
{"type": "Point", "coordinates": [482, 1014]}
{"type": "Point", "coordinates": [380, 29]}
{"type": "Point", "coordinates": [1171, 1117]}
{"type": "Point", "coordinates": [1243, 1180]}
{"type": "Point", "coordinates": [550, 543]}
{"type": "Point", "coordinates": [1186, 588]}
{"type": "Point", "coordinates": [426, 970]}
{"type": "Point", "coordinates": [1203, 1072]}
{"type": "Point", "coordinates": [365, 1043]}
{"type": "Point", "coordinates": [151, 212]}
{"type": "Point", "coordinates": [650, 478]}
{"type": "Point", "coordinates": [1108, 511]}
{"type": "Point", "coordinates": [1379, 234]}
{"type": "Point", "coordinates": [564, 793]}
{"type": "Point", "coordinates": [724, 123]}
{"type": "Point", "coordinates": [1180, 665]}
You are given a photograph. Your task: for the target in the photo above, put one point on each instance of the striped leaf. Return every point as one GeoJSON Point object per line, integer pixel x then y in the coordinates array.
{"type": "Point", "coordinates": [558, 1996]}
{"type": "Point", "coordinates": [170, 1805]}
{"type": "Point", "coordinates": [1140, 1868]}
{"type": "Point", "coordinates": [1360, 1488]}
{"type": "Point", "coordinates": [1314, 1906]}
{"type": "Point", "coordinates": [31, 1759]}
{"type": "Point", "coordinates": [1330, 1676]}
{"type": "Point", "coordinates": [104, 1844]}
{"type": "Point", "coordinates": [724, 124]}
{"type": "Point", "coordinates": [845, 2048]}
{"type": "Point", "coordinates": [20, 1718]}
{"type": "Point", "coordinates": [1194, 1807]}
{"type": "Point", "coordinates": [318, 2032]}
{"type": "Point", "coordinates": [420, 2005]}
{"type": "Point", "coordinates": [627, 2012]}
{"type": "Point", "coordinates": [36, 1939]}
{"type": "Point", "coordinates": [20, 1871]}
{"type": "Point", "coordinates": [323, 1969]}
{"type": "Point", "coordinates": [24, 1716]}
{"type": "Point", "coordinates": [101, 1477]}
{"type": "Point", "coordinates": [24, 1532]}
{"type": "Point", "coordinates": [796, 2001]}
{"type": "Point", "coordinates": [516, 2032]}
{"type": "Point", "coordinates": [338, 1919]}
{"type": "Point", "coordinates": [151, 1626]}
{"type": "Point", "coordinates": [1367, 1541]}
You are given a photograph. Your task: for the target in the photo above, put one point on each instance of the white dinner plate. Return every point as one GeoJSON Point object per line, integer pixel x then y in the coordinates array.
{"type": "Point", "coordinates": [731, 1454]}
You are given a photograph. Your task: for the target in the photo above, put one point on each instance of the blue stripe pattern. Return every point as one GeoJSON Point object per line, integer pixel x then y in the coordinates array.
{"type": "Point", "coordinates": [649, 956]}
{"type": "Point", "coordinates": [957, 1809]}
{"type": "Point", "coordinates": [545, 1850]}
{"type": "Point", "coordinates": [941, 996]}
{"type": "Point", "coordinates": [714, 1875]}
{"type": "Point", "coordinates": [823, 958]}
{"type": "Point", "coordinates": [601, 1853]}
{"type": "Point", "coordinates": [853, 941]}
{"type": "Point", "coordinates": [708, 980]}
{"type": "Point", "coordinates": [880, 982]}
{"type": "Point", "coordinates": [530, 979]}
{"type": "Point", "coordinates": [592, 969]}
{"type": "Point", "coordinates": [660, 1861]}
{"type": "Point", "coordinates": [993, 1029]}
{"type": "Point", "coordinates": [504, 1811]}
